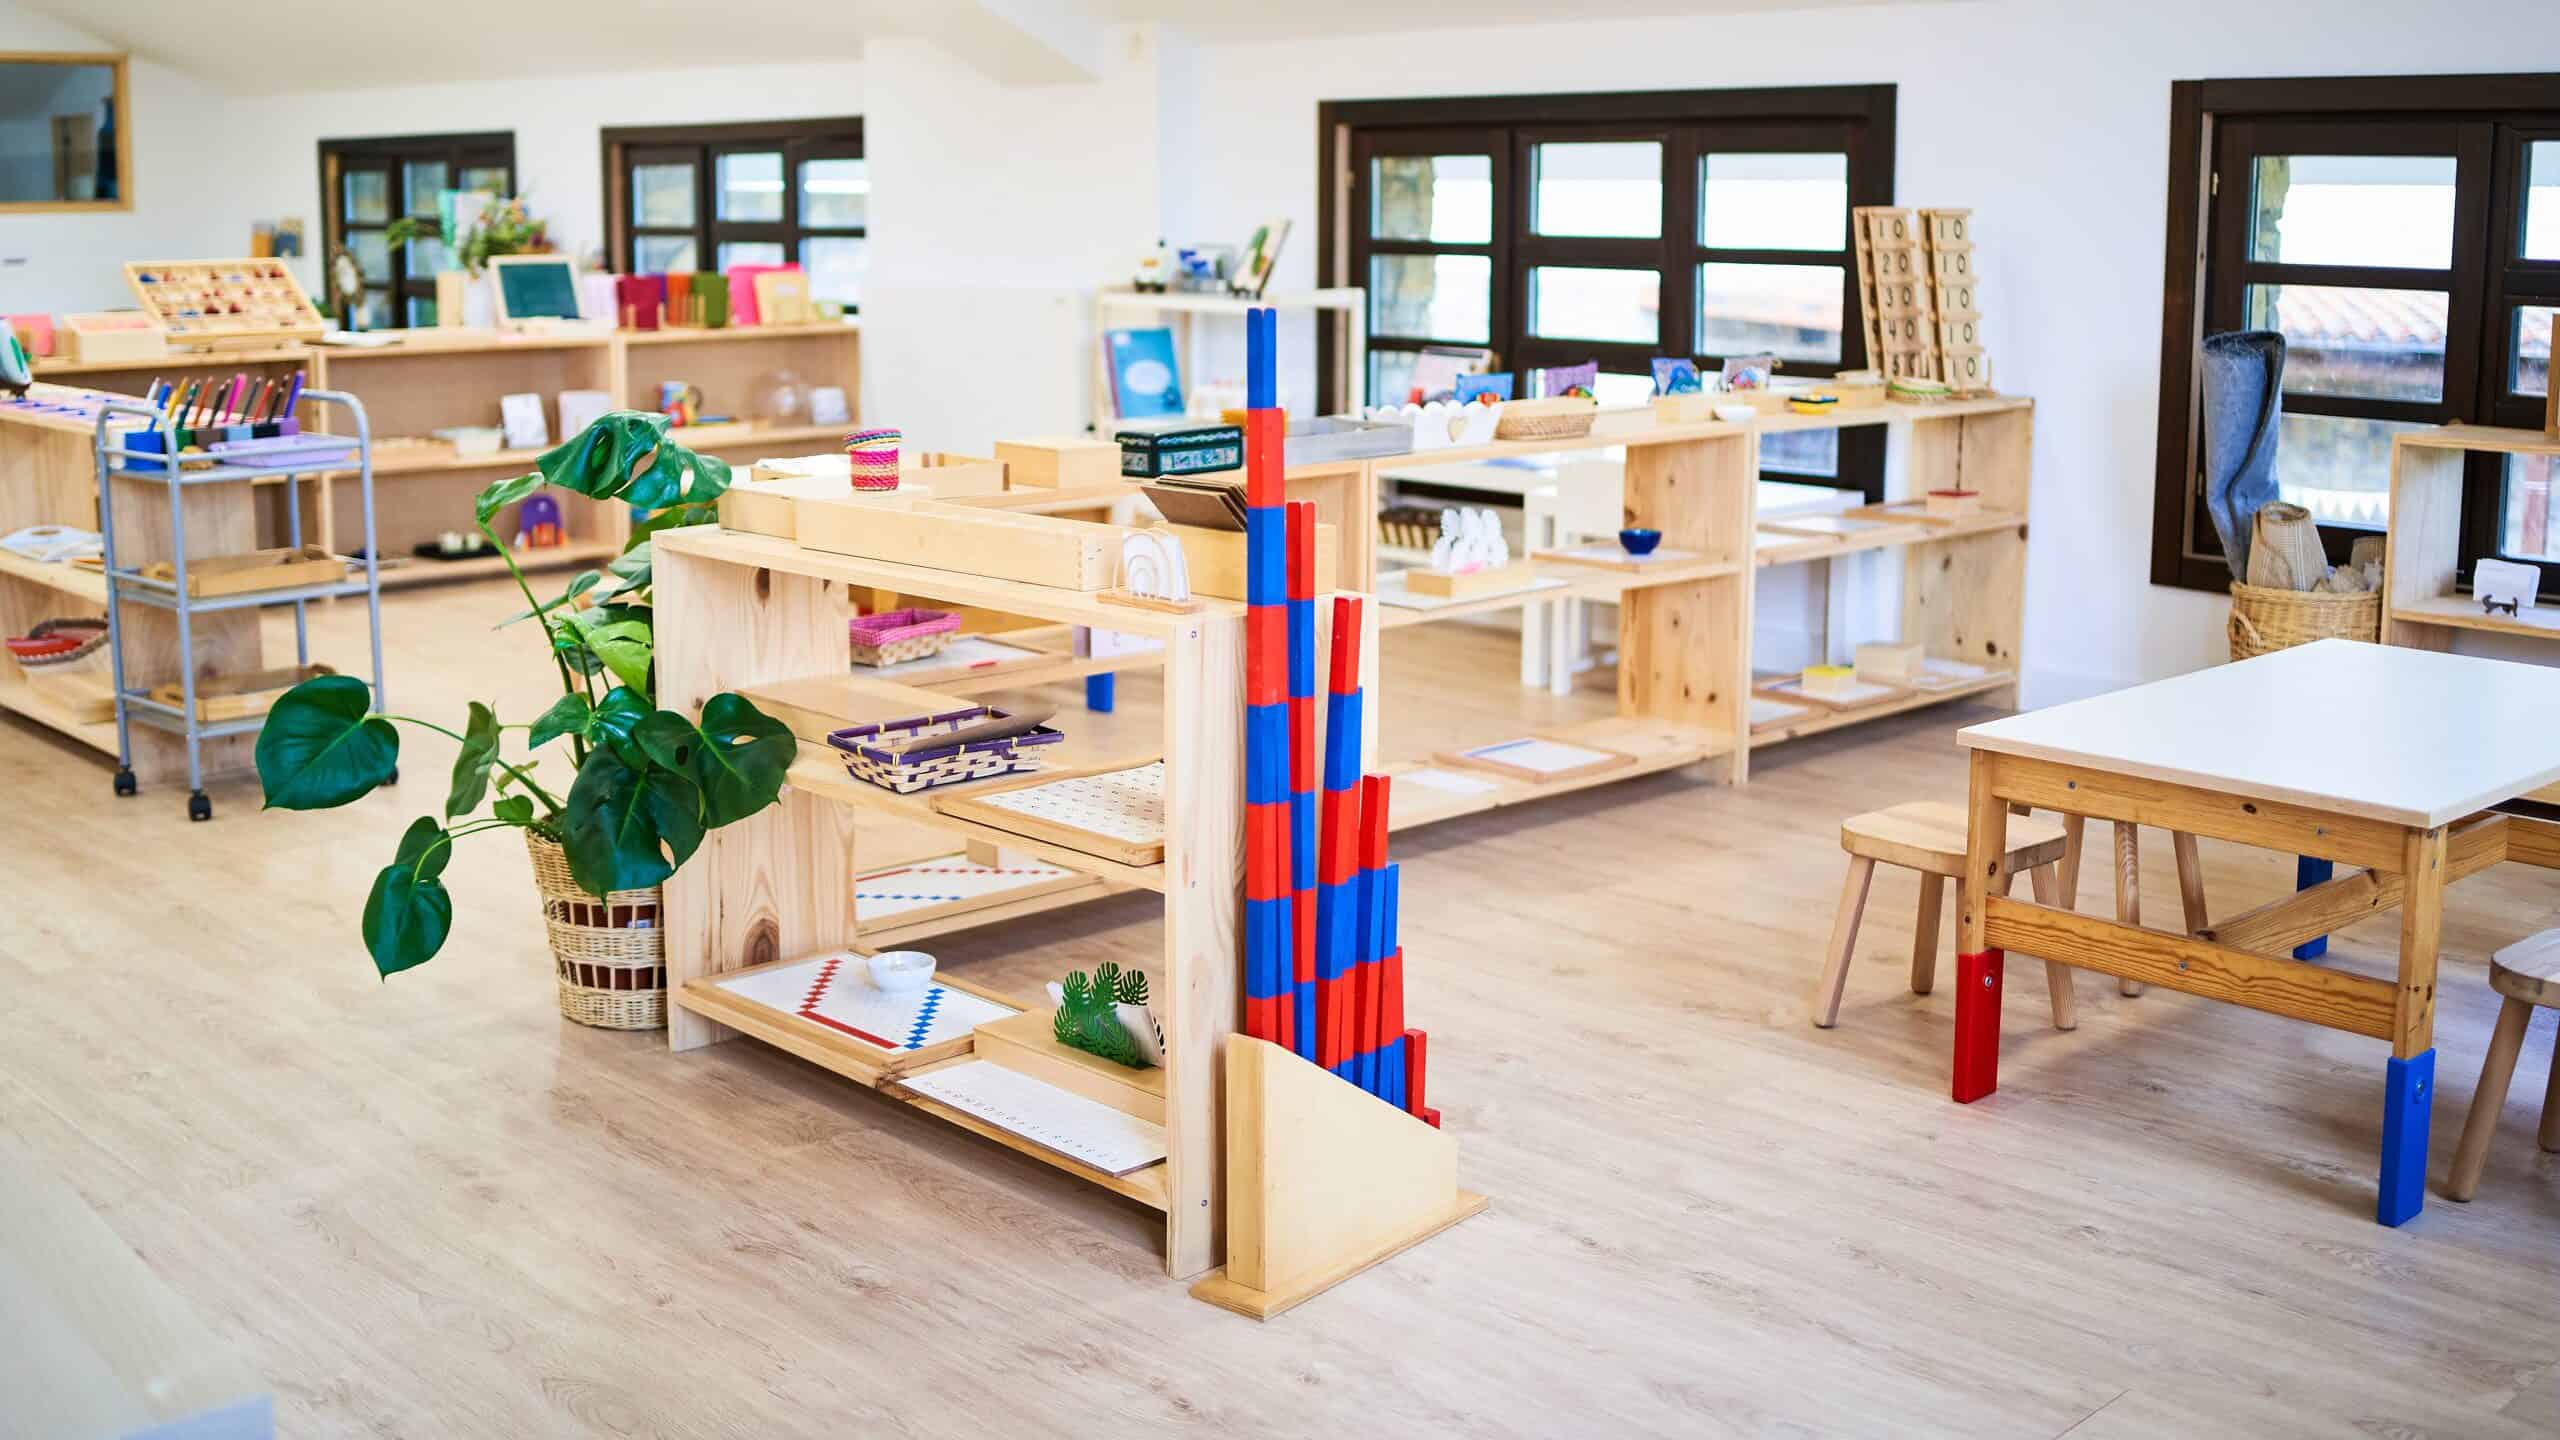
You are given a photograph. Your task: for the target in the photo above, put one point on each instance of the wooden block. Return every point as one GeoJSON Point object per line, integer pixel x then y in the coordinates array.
{"type": "Point", "coordinates": [1966, 368]}
{"type": "Point", "coordinates": [1064, 461]}
{"type": "Point", "coordinates": [1951, 264]}
{"type": "Point", "coordinates": [1955, 295]}
{"type": "Point", "coordinates": [109, 335]}
{"type": "Point", "coordinates": [1033, 549]}
{"type": "Point", "coordinates": [1946, 227]}
{"type": "Point", "coordinates": [1899, 295]}
{"type": "Point", "coordinates": [1896, 265]}
{"type": "Point", "coordinates": [1918, 363]}
{"type": "Point", "coordinates": [1959, 332]}
{"type": "Point", "coordinates": [1829, 682]}
{"type": "Point", "coordinates": [1419, 581]}
{"type": "Point", "coordinates": [1889, 662]}
{"type": "Point", "coordinates": [1688, 409]}
{"type": "Point", "coordinates": [1324, 1180]}
{"type": "Point", "coordinates": [946, 476]}
{"type": "Point", "coordinates": [768, 501]}
{"type": "Point", "coordinates": [1028, 1042]}
{"type": "Point", "coordinates": [1905, 330]}
{"type": "Point", "coordinates": [1215, 559]}
{"type": "Point", "coordinates": [1886, 225]}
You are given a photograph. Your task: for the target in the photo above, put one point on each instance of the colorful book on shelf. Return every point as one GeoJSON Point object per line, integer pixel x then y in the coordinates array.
{"type": "Point", "coordinates": [1146, 378]}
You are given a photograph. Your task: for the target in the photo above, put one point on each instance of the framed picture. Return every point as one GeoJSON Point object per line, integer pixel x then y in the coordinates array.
{"type": "Point", "coordinates": [1749, 372]}
{"type": "Point", "coordinates": [1253, 264]}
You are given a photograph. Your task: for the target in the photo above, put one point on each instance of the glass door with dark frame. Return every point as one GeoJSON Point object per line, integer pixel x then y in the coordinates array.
{"type": "Point", "coordinates": [710, 197]}
{"type": "Point", "coordinates": [2513, 511]}
{"type": "Point", "coordinates": [369, 183]}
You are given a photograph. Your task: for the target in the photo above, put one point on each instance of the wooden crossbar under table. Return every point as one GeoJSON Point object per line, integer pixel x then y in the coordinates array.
{"type": "Point", "coordinates": [2380, 758]}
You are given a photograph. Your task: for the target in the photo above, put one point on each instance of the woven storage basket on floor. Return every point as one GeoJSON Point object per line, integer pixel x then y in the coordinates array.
{"type": "Point", "coordinates": [611, 954]}
{"type": "Point", "coordinates": [2264, 620]}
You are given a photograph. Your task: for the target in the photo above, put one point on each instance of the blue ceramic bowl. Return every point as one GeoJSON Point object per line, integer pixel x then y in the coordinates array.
{"type": "Point", "coordinates": [1639, 542]}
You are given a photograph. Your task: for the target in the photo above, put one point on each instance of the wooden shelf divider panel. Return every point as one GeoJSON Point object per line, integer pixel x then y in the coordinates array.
{"type": "Point", "coordinates": [1684, 650]}
{"type": "Point", "coordinates": [2422, 550]}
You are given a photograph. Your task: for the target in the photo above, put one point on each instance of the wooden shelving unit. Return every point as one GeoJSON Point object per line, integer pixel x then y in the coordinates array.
{"type": "Point", "coordinates": [433, 379]}
{"type": "Point", "coordinates": [2420, 605]}
{"type": "Point", "coordinates": [1684, 644]}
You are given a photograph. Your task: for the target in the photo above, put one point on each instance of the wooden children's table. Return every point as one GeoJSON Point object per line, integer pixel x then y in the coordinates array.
{"type": "Point", "coordinates": [2380, 757]}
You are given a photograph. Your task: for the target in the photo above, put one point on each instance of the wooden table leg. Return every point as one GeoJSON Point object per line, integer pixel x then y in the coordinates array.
{"type": "Point", "coordinates": [2128, 888]}
{"type": "Point", "coordinates": [1977, 1040]}
{"type": "Point", "coordinates": [2409, 1080]}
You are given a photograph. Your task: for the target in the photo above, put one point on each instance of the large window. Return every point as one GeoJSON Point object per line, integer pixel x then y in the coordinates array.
{"type": "Point", "coordinates": [1562, 229]}
{"type": "Point", "coordinates": [2404, 236]}
{"type": "Point", "coordinates": [366, 184]}
{"type": "Point", "coordinates": [706, 197]}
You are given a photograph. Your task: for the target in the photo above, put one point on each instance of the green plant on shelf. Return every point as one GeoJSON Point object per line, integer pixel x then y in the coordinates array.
{"type": "Point", "coordinates": [1088, 1016]}
{"type": "Point", "coordinates": [647, 784]}
{"type": "Point", "coordinates": [502, 228]}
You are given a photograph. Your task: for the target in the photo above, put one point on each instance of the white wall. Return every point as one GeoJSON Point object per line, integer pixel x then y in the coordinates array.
{"type": "Point", "coordinates": [2048, 117]}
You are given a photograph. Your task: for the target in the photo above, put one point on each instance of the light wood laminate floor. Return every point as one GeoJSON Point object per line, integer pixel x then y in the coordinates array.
{"type": "Point", "coordinates": [429, 1207]}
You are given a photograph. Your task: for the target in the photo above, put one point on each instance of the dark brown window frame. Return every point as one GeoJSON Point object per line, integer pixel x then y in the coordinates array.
{"type": "Point", "coordinates": [455, 150]}
{"type": "Point", "coordinates": [1783, 114]}
{"type": "Point", "coordinates": [836, 138]}
{"type": "Point", "coordinates": [2488, 277]}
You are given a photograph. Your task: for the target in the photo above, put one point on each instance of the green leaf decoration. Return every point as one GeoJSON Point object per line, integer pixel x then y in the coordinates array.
{"type": "Point", "coordinates": [614, 722]}
{"type": "Point", "coordinates": [514, 809]}
{"type": "Point", "coordinates": [1085, 1020]}
{"type": "Point", "coordinates": [1133, 987]}
{"type": "Point", "coordinates": [408, 913]}
{"type": "Point", "coordinates": [471, 764]}
{"type": "Point", "coordinates": [321, 746]}
{"type": "Point", "coordinates": [737, 755]}
{"type": "Point", "coordinates": [627, 827]}
{"type": "Point", "coordinates": [584, 581]}
{"type": "Point", "coordinates": [503, 493]}
{"type": "Point", "coordinates": [621, 641]}
{"type": "Point", "coordinates": [568, 715]}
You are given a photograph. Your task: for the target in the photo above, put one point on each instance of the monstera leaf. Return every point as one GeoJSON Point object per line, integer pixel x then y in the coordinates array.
{"type": "Point", "coordinates": [321, 746]}
{"type": "Point", "coordinates": [471, 763]}
{"type": "Point", "coordinates": [408, 914]}
{"type": "Point", "coordinates": [620, 639]}
{"type": "Point", "coordinates": [628, 827]}
{"type": "Point", "coordinates": [736, 756]}
{"type": "Point", "coordinates": [626, 456]}
{"type": "Point", "coordinates": [568, 715]}
{"type": "Point", "coordinates": [617, 720]}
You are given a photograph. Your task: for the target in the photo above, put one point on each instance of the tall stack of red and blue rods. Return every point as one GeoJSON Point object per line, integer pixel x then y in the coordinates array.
{"type": "Point", "coordinates": [1324, 970]}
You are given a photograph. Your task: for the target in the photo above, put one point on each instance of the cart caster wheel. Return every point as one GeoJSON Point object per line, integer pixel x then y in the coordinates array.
{"type": "Point", "coordinates": [124, 783]}
{"type": "Point", "coordinates": [199, 807]}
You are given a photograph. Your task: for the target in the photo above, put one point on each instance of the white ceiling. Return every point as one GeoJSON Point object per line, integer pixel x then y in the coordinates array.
{"type": "Point", "coordinates": [1295, 19]}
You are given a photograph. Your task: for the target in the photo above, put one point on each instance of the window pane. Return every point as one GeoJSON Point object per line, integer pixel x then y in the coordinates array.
{"type": "Point", "coordinates": [2354, 210]}
{"type": "Point", "coordinates": [662, 195]}
{"type": "Point", "coordinates": [368, 196]}
{"type": "Point", "coordinates": [2531, 346]}
{"type": "Point", "coordinates": [1801, 452]}
{"type": "Point", "coordinates": [1390, 376]}
{"type": "Point", "coordinates": [2542, 201]}
{"type": "Point", "coordinates": [422, 313]}
{"type": "Point", "coordinates": [1446, 199]}
{"type": "Point", "coordinates": [835, 192]}
{"type": "Point", "coordinates": [1612, 188]}
{"type": "Point", "coordinates": [375, 310]}
{"type": "Point", "coordinates": [1431, 297]}
{"type": "Point", "coordinates": [424, 257]}
{"type": "Point", "coordinates": [750, 252]}
{"type": "Point", "coordinates": [835, 265]}
{"type": "Point", "coordinates": [2378, 344]}
{"type": "Point", "coordinates": [420, 180]}
{"type": "Point", "coordinates": [1577, 303]}
{"type": "Point", "coordinates": [479, 179]}
{"type": "Point", "coordinates": [751, 186]}
{"type": "Point", "coordinates": [373, 254]}
{"type": "Point", "coordinates": [1790, 311]}
{"type": "Point", "coordinates": [1774, 202]}
{"type": "Point", "coordinates": [2529, 533]}
{"type": "Point", "coordinates": [651, 254]}
{"type": "Point", "coordinates": [2338, 467]}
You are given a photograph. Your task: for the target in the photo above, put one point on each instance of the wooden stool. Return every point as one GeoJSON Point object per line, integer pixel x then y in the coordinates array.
{"type": "Point", "coordinates": [2528, 974]}
{"type": "Point", "coordinates": [1929, 836]}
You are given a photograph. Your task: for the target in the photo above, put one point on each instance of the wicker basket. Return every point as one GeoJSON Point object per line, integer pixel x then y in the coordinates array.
{"type": "Point", "coordinates": [2264, 620]}
{"type": "Point", "coordinates": [1560, 417]}
{"type": "Point", "coordinates": [896, 635]}
{"type": "Point", "coordinates": [868, 755]}
{"type": "Point", "coordinates": [611, 954]}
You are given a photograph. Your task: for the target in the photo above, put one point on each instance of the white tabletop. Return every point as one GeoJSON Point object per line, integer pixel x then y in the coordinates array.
{"type": "Point", "coordinates": [2412, 737]}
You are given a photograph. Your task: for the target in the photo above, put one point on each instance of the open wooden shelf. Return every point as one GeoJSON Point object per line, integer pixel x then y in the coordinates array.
{"type": "Point", "coordinates": [2461, 612]}
{"type": "Point", "coordinates": [1654, 745]}
{"type": "Point", "coordinates": [417, 570]}
{"type": "Point", "coordinates": [1580, 582]}
{"type": "Point", "coordinates": [1820, 719]}
{"type": "Point", "coordinates": [78, 582]}
{"type": "Point", "coordinates": [820, 771]}
{"type": "Point", "coordinates": [51, 366]}
{"type": "Point", "coordinates": [46, 703]}
{"type": "Point", "coordinates": [1772, 548]}
{"type": "Point", "coordinates": [1055, 659]}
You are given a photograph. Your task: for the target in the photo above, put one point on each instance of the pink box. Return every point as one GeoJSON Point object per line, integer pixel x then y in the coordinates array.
{"type": "Point", "coordinates": [35, 332]}
{"type": "Point", "coordinates": [742, 291]}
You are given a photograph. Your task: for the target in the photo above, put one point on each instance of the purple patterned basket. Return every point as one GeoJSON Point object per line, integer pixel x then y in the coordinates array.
{"type": "Point", "coordinates": [895, 635]}
{"type": "Point", "coordinates": [867, 758]}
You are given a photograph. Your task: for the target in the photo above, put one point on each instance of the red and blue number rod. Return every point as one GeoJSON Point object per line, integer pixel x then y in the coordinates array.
{"type": "Point", "coordinates": [1302, 775]}
{"type": "Point", "coordinates": [1338, 849]}
{"type": "Point", "coordinates": [1269, 889]}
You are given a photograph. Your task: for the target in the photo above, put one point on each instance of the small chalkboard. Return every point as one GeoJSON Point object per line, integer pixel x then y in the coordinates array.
{"type": "Point", "coordinates": [535, 287]}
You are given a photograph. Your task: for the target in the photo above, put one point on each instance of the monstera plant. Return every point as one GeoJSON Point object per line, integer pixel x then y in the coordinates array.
{"type": "Point", "coordinates": [648, 784]}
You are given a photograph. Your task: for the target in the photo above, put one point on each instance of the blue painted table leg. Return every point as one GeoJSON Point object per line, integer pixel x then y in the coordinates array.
{"type": "Point", "coordinates": [2308, 872]}
{"type": "Point", "coordinates": [1100, 694]}
{"type": "Point", "coordinates": [2408, 1093]}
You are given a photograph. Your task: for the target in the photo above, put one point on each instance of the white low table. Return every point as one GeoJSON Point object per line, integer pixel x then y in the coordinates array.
{"type": "Point", "coordinates": [2377, 757]}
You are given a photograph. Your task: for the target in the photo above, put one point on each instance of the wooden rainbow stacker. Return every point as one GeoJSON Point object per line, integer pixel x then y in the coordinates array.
{"type": "Point", "coordinates": [2406, 753]}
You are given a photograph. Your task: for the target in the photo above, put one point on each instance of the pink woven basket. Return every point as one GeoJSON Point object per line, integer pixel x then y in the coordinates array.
{"type": "Point", "coordinates": [895, 635]}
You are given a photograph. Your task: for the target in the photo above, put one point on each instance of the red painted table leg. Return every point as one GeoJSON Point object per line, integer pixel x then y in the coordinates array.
{"type": "Point", "coordinates": [1977, 1059]}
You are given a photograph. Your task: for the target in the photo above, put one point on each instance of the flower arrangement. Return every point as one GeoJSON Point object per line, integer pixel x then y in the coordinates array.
{"type": "Point", "coordinates": [503, 227]}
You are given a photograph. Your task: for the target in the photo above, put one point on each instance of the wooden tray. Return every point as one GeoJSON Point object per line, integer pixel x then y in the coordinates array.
{"type": "Point", "coordinates": [215, 575]}
{"type": "Point", "coordinates": [1482, 758]}
{"type": "Point", "coordinates": [236, 697]}
{"type": "Point", "coordinates": [1437, 586]}
{"type": "Point", "coordinates": [1790, 688]}
{"type": "Point", "coordinates": [1112, 811]}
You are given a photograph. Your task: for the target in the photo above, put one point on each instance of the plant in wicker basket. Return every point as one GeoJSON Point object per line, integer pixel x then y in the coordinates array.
{"type": "Point", "coordinates": [648, 783]}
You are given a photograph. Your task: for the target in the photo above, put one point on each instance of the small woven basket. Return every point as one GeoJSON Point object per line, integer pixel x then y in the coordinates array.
{"type": "Point", "coordinates": [2265, 619]}
{"type": "Point", "coordinates": [869, 758]}
{"type": "Point", "coordinates": [611, 954]}
{"type": "Point", "coordinates": [895, 635]}
{"type": "Point", "coordinates": [1558, 418]}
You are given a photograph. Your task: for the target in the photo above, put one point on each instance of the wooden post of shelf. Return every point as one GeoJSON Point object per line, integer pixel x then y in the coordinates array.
{"type": "Point", "coordinates": [1203, 991]}
{"type": "Point", "coordinates": [774, 885]}
{"type": "Point", "coordinates": [1965, 598]}
{"type": "Point", "coordinates": [2422, 551]}
{"type": "Point", "coordinates": [1684, 651]}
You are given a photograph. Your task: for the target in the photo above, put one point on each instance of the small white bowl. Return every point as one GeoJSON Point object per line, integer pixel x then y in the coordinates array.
{"type": "Point", "coordinates": [1736, 414]}
{"type": "Point", "coordinates": [898, 972]}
